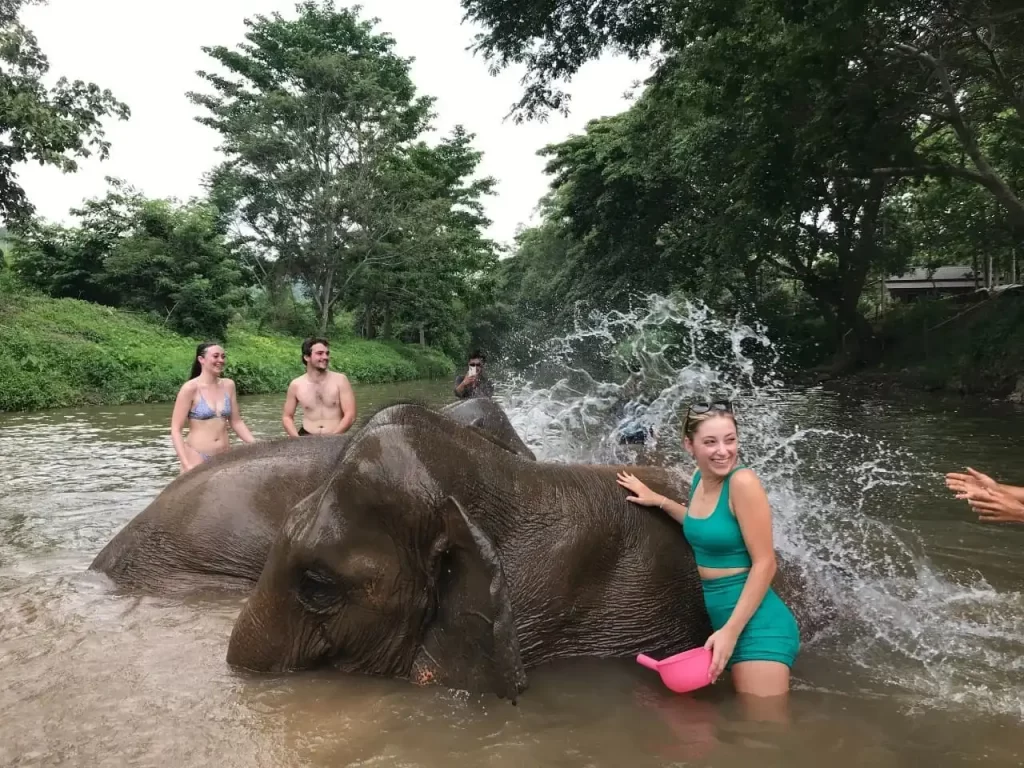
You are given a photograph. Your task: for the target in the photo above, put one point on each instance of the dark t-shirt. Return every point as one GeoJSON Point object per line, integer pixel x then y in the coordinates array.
{"type": "Point", "coordinates": [482, 387]}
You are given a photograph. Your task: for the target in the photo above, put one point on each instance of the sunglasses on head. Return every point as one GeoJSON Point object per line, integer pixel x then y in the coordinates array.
{"type": "Point", "coordinates": [723, 406]}
{"type": "Point", "coordinates": [713, 405]}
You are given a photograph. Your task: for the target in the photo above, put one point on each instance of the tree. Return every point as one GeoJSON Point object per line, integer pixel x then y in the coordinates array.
{"type": "Point", "coordinates": [51, 126]}
{"type": "Point", "coordinates": [962, 66]}
{"type": "Point", "coordinates": [153, 256]}
{"type": "Point", "coordinates": [312, 114]}
{"type": "Point", "coordinates": [958, 64]}
{"type": "Point", "coordinates": [714, 178]}
{"type": "Point", "coordinates": [431, 277]}
{"type": "Point", "coordinates": [174, 265]}
{"type": "Point", "coordinates": [782, 131]}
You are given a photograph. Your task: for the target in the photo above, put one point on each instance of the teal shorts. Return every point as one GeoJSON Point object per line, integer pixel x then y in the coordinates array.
{"type": "Point", "coordinates": [771, 634]}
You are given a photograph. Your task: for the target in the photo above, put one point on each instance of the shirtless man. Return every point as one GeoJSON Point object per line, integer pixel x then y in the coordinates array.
{"type": "Point", "coordinates": [327, 400]}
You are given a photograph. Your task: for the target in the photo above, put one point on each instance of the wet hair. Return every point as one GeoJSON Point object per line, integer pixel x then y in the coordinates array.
{"type": "Point", "coordinates": [692, 421]}
{"type": "Point", "coordinates": [308, 344]}
{"type": "Point", "coordinates": [476, 354]}
{"type": "Point", "coordinates": [197, 367]}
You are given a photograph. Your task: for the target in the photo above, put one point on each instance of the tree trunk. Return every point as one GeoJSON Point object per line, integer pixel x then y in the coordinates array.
{"type": "Point", "coordinates": [325, 303]}
{"type": "Point", "coordinates": [862, 348]}
{"type": "Point", "coordinates": [423, 336]}
{"type": "Point", "coordinates": [386, 328]}
{"type": "Point", "coordinates": [369, 329]}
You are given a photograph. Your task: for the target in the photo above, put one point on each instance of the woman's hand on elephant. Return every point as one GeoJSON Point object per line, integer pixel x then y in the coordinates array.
{"type": "Point", "coordinates": [642, 495]}
{"type": "Point", "coordinates": [721, 644]}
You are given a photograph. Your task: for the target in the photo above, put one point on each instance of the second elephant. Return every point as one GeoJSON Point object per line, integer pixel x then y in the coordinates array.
{"type": "Point", "coordinates": [210, 529]}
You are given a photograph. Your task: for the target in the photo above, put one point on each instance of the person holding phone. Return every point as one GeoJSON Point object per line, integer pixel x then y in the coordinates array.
{"type": "Point", "coordinates": [473, 383]}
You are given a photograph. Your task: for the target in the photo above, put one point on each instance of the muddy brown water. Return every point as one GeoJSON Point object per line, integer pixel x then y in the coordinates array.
{"type": "Point", "coordinates": [89, 678]}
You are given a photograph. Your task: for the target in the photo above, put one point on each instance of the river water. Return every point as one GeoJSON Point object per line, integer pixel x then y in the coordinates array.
{"type": "Point", "coordinates": [928, 662]}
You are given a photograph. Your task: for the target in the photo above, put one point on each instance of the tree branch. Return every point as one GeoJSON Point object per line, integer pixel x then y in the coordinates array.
{"type": "Point", "coordinates": [1002, 80]}
{"type": "Point", "coordinates": [917, 171]}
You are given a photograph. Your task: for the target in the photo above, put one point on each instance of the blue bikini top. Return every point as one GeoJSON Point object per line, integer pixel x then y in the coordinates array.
{"type": "Point", "coordinates": [203, 411]}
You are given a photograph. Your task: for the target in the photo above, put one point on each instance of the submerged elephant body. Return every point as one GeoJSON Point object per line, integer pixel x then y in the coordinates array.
{"type": "Point", "coordinates": [212, 527]}
{"type": "Point", "coordinates": [434, 555]}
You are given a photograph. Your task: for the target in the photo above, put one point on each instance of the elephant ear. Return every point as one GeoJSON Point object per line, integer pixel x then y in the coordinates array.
{"type": "Point", "coordinates": [471, 644]}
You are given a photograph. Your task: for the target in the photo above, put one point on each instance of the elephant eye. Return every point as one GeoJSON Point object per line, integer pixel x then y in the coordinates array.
{"type": "Point", "coordinates": [318, 591]}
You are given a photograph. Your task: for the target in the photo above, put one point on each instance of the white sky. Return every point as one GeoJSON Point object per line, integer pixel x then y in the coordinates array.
{"type": "Point", "coordinates": [148, 53]}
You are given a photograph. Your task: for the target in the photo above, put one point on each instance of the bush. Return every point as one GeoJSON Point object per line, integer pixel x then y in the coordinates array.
{"type": "Point", "coordinates": [973, 348]}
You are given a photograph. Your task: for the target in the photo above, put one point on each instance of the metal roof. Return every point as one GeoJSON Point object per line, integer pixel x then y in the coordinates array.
{"type": "Point", "coordinates": [946, 277]}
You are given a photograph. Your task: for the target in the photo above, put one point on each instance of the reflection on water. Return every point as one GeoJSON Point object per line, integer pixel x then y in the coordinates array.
{"type": "Point", "coordinates": [90, 679]}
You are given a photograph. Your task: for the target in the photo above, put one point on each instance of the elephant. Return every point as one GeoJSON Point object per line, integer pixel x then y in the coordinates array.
{"type": "Point", "coordinates": [433, 555]}
{"type": "Point", "coordinates": [211, 528]}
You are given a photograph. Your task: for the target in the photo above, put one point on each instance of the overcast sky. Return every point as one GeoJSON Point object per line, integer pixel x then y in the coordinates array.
{"type": "Point", "coordinates": [147, 54]}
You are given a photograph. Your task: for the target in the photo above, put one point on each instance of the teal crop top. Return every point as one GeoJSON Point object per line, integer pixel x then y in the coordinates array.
{"type": "Point", "coordinates": [717, 540]}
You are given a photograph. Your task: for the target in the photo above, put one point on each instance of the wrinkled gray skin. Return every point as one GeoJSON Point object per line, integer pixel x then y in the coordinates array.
{"type": "Point", "coordinates": [487, 416]}
{"type": "Point", "coordinates": [211, 528]}
{"type": "Point", "coordinates": [433, 555]}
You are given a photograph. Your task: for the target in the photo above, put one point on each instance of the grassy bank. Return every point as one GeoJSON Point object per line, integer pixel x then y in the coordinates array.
{"type": "Point", "coordinates": [972, 348]}
{"type": "Point", "coordinates": [63, 352]}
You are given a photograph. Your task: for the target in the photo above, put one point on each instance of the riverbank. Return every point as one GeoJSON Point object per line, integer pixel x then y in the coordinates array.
{"type": "Point", "coordinates": [973, 347]}
{"type": "Point", "coordinates": [64, 352]}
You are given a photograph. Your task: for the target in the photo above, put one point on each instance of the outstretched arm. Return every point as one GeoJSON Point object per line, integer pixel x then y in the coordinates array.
{"type": "Point", "coordinates": [996, 506]}
{"type": "Point", "coordinates": [963, 484]}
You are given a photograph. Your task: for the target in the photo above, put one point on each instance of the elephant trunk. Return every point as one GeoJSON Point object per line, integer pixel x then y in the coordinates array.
{"type": "Point", "coordinates": [266, 635]}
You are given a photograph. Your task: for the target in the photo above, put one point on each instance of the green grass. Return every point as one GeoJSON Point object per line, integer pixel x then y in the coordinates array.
{"type": "Point", "coordinates": [64, 352]}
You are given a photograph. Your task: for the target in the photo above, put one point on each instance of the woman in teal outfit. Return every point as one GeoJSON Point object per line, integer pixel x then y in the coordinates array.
{"type": "Point", "coordinates": [729, 526]}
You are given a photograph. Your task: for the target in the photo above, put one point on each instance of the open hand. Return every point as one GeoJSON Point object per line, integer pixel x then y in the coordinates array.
{"type": "Point", "coordinates": [642, 495]}
{"type": "Point", "coordinates": [994, 506]}
{"type": "Point", "coordinates": [721, 644]}
{"type": "Point", "coordinates": [963, 483]}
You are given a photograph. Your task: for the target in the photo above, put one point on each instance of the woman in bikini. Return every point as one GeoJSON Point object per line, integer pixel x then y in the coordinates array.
{"type": "Point", "coordinates": [729, 526]}
{"type": "Point", "coordinates": [209, 404]}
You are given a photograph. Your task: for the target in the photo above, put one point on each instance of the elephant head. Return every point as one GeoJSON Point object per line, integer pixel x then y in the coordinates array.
{"type": "Point", "coordinates": [484, 414]}
{"type": "Point", "coordinates": [380, 571]}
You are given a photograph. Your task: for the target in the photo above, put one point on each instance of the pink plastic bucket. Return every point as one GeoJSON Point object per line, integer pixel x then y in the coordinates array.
{"type": "Point", "coordinates": [683, 672]}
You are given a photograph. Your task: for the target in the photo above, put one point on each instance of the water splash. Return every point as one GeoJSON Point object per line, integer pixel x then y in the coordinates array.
{"type": "Point", "coordinates": [613, 390]}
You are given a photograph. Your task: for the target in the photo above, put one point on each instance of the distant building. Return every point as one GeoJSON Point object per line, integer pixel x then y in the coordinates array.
{"type": "Point", "coordinates": [942, 281]}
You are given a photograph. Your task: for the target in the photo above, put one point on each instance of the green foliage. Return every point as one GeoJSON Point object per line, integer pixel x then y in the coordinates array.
{"type": "Point", "coordinates": [151, 256]}
{"type": "Point", "coordinates": [776, 142]}
{"type": "Point", "coordinates": [970, 348]}
{"type": "Point", "coordinates": [433, 274]}
{"type": "Point", "coordinates": [50, 126]}
{"type": "Point", "coordinates": [64, 352]}
{"type": "Point", "coordinates": [321, 124]}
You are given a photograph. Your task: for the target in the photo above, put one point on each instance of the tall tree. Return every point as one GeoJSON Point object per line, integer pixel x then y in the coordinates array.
{"type": "Point", "coordinates": [438, 255]}
{"type": "Point", "coordinates": [961, 64]}
{"type": "Point", "coordinates": [312, 114]}
{"type": "Point", "coordinates": [51, 126]}
{"type": "Point", "coordinates": [957, 65]}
